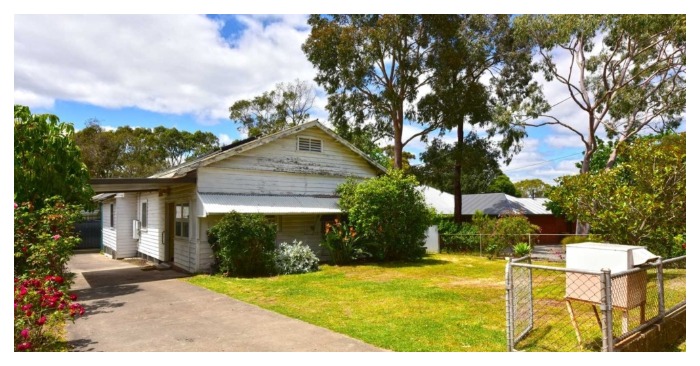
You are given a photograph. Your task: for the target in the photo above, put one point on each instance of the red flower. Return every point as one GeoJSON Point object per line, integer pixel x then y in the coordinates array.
{"type": "Point", "coordinates": [41, 320]}
{"type": "Point", "coordinates": [56, 237]}
{"type": "Point", "coordinates": [24, 346]}
{"type": "Point", "coordinates": [73, 297]}
{"type": "Point", "coordinates": [26, 307]}
{"type": "Point", "coordinates": [28, 313]}
{"type": "Point", "coordinates": [25, 333]}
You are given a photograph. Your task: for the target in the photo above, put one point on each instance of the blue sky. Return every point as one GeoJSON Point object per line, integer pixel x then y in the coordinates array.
{"type": "Point", "coordinates": [184, 71]}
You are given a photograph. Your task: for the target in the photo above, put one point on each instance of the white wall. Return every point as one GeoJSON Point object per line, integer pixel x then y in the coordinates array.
{"type": "Point", "coordinates": [305, 228]}
{"type": "Point", "coordinates": [125, 215]}
{"type": "Point", "coordinates": [432, 240]}
{"type": "Point", "coordinates": [278, 168]}
{"type": "Point", "coordinates": [109, 233]}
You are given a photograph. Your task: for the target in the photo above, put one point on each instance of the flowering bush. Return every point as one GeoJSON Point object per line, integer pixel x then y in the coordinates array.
{"type": "Point", "coordinates": [343, 242]}
{"type": "Point", "coordinates": [295, 258]}
{"type": "Point", "coordinates": [40, 305]}
{"type": "Point", "coordinates": [44, 238]}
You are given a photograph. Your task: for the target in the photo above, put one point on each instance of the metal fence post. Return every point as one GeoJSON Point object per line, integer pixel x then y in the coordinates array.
{"type": "Point", "coordinates": [660, 286]}
{"type": "Point", "coordinates": [509, 305]}
{"type": "Point", "coordinates": [606, 310]}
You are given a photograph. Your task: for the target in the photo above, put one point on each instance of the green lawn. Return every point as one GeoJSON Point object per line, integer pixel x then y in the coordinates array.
{"type": "Point", "coordinates": [443, 303]}
{"type": "Point", "coordinates": [446, 302]}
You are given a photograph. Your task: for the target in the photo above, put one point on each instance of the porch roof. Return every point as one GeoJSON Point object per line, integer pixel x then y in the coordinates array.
{"type": "Point", "coordinates": [221, 203]}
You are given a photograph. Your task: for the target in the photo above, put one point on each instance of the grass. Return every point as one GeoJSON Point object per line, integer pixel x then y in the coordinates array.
{"type": "Point", "coordinates": [443, 303]}
{"type": "Point", "coordinates": [447, 302]}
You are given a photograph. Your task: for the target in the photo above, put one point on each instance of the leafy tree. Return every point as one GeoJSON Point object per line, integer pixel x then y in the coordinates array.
{"type": "Point", "coordinates": [389, 213]}
{"type": "Point", "coordinates": [47, 160]}
{"type": "Point", "coordinates": [640, 201]}
{"type": "Point", "coordinates": [532, 188]}
{"type": "Point", "coordinates": [635, 81]}
{"type": "Point", "coordinates": [466, 50]}
{"type": "Point", "coordinates": [286, 106]}
{"type": "Point", "coordinates": [371, 66]}
{"type": "Point", "coordinates": [478, 172]}
{"type": "Point", "coordinates": [502, 184]}
{"type": "Point", "coordinates": [139, 152]}
{"type": "Point", "coordinates": [405, 158]}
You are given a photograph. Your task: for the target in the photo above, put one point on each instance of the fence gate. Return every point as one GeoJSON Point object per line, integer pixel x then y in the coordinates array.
{"type": "Point", "coordinates": [554, 309]}
{"type": "Point", "coordinates": [90, 232]}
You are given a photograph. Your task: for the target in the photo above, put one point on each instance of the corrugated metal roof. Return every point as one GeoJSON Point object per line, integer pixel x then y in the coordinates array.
{"type": "Point", "coordinates": [442, 202]}
{"type": "Point", "coordinates": [218, 203]}
{"type": "Point", "coordinates": [498, 203]}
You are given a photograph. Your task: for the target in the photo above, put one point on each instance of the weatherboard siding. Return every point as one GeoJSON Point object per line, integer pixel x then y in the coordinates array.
{"type": "Point", "coordinates": [222, 180]}
{"type": "Point", "coordinates": [282, 156]}
{"type": "Point", "coordinates": [119, 237]}
{"type": "Point", "coordinates": [185, 248]}
{"type": "Point", "coordinates": [109, 234]}
{"type": "Point", "coordinates": [304, 228]}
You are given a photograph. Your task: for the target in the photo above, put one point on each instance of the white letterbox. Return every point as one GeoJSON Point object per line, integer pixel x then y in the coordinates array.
{"type": "Point", "coordinates": [628, 291]}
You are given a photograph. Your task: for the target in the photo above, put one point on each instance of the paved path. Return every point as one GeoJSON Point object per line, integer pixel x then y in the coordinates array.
{"type": "Point", "coordinates": [132, 309]}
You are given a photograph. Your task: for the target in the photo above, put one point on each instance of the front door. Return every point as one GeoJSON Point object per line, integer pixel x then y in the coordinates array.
{"type": "Point", "coordinates": [170, 232]}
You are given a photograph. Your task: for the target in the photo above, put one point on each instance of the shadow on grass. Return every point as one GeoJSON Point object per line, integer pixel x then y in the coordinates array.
{"type": "Point", "coordinates": [394, 264]}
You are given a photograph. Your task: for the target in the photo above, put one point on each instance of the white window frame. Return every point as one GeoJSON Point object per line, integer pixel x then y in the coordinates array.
{"type": "Point", "coordinates": [182, 221]}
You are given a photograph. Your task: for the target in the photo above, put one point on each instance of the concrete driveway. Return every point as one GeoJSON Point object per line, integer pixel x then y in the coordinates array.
{"type": "Point", "coordinates": [134, 308]}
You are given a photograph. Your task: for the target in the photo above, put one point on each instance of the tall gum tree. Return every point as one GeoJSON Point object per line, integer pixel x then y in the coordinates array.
{"type": "Point", "coordinates": [634, 80]}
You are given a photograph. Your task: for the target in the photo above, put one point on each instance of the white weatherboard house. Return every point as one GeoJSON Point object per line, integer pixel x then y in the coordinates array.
{"type": "Point", "coordinates": [290, 176]}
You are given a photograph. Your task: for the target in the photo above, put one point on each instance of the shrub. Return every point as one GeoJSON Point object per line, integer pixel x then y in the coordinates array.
{"type": "Point", "coordinates": [343, 242]}
{"type": "Point", "coordinates": [243, 244]}
{"type": "Point", "coordinates": [390, 213]}
{"type": "Point", "coordinates": [521, 249]}
{"type": "Point", "coordinates": [41, 306]}
{"type": "Point", "coordinates": [503, 232]}
{"type": "Point", "coordinates": [458, 238]}
{"type": "Point", "coordinates": [44, 238]}
{"type": "Point", "coordinates": [295, 258]}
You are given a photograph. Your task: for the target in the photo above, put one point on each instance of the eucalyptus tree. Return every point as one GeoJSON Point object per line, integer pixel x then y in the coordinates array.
{"type": "Point", "coordinates": [626, 73]}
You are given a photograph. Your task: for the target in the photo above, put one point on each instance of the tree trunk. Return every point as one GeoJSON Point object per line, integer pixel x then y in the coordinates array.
{"type": "Point", "coordinates": [458, 174]}
{"type": "Point", "coordinates": [398, 143]}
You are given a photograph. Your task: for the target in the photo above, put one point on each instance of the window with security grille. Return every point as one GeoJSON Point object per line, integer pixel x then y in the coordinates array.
{"type": "Point", "coordinates": [309, 144]}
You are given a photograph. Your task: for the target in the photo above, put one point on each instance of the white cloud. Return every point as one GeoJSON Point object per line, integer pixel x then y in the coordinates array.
{"type": "Point", "coordinates": [175, 64]}
{"type": "Point", "coordinates": [564, 141]}
{"type": "Point", "coordinates": [224, 139]}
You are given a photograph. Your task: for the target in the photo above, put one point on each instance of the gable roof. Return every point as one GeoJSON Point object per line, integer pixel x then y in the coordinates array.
{"type": "Point", "coordinates": [442, 202]}
{"type": "Point", "coordinates": [498, 203]}
{"type": "Point", "coordinates": [256, 141]}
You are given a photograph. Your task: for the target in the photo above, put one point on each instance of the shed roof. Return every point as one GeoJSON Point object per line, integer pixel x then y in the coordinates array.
{"type": "Point", "coordinates": [498, 203]}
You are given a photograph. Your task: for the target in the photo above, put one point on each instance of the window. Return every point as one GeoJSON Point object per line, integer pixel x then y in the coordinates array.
{"type": "Point", "coordinates": [182, 220]}
{"type": "Point", "coordinates": [309, 144]}
{"type": "Point", "coordinates": [111, 215]}
{"type": "Point", "coordinates": [144, 214]}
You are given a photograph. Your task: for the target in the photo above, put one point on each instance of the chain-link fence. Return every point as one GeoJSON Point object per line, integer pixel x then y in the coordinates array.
{"type": "Point", "coordinates": [475, 243]}
{"type": "Point", "coordinates": [560, 309]}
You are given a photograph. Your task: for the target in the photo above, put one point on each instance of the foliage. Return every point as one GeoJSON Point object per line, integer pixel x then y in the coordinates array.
{"type": "Point", "coordinates": [243, 244]}
{"type": "Point", "coordinates": [47, 161]}
{"type": "Point", "coordinates": [457, 238]}
{"type": "Point", "coordinates": [532, 188]}
{"type": "Point", "coordinates": [502, 184]}
{"type": "Point", "coordinates": [343, 242]}
{"type": "Point", "coordinates": [641, 201]}
{"type": "Point", "coordinates": [288, 105]}
{"type": "Point", "coordinates": [44, 237]}
{"type": "Point", "coordinates": [371, 67]}
{"type": "Point", "coordinates": [390, 213]}
{"type": "Point", "coordinates": [139, 152]}
{"type": "Point", "coordinates": [503, 232]}
{"type": "Point", "coordinates": [294, 258]}
{"type": "Point", "coordinates": [521, 249]}
{"type": "Point", "coordinates": [42, 304]}
{"type": "Point", "coordinates": [479, 168]}
{"type": "Point", "coordinates": [635, 81]}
